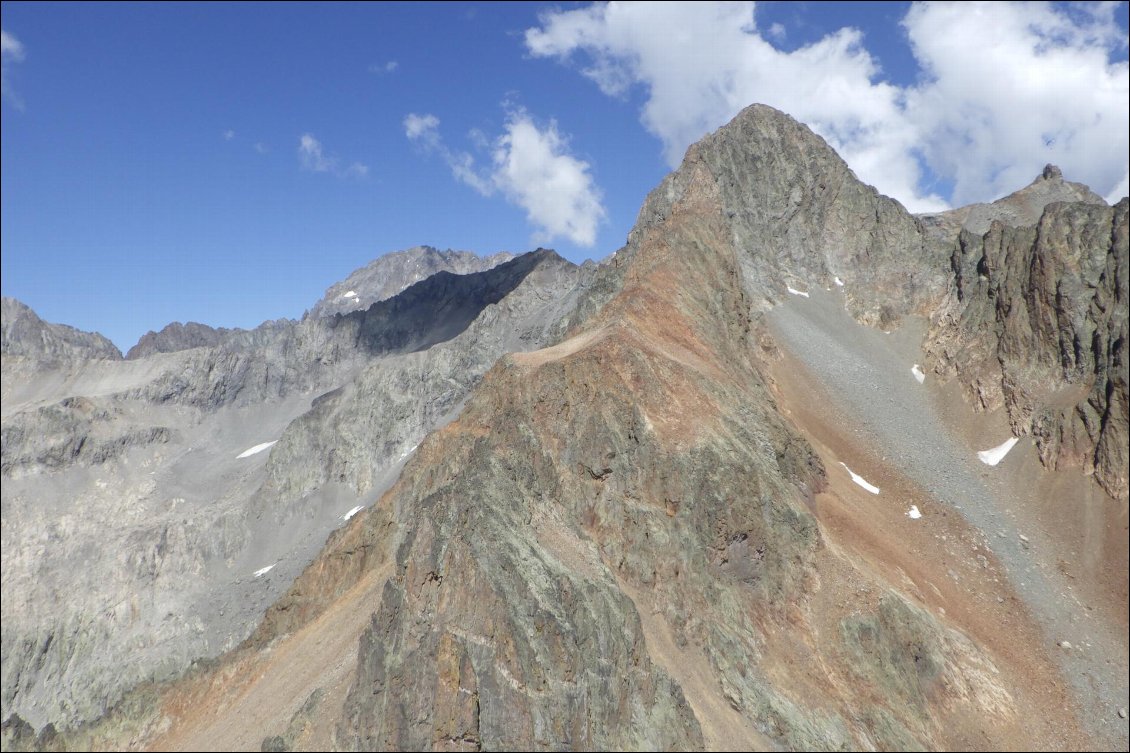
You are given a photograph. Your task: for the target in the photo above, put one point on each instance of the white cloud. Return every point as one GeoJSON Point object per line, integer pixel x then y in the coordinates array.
{"type": "Point", "coordinates": [1014, 87]}
{"type": "Point", "coordinates": [387, 67]}
{"type": "Point", "coordinates": [1010, 87]}
{"type": "Point", "coordinates": [229, 135]}
{"type": "Point", "coordinates": [421, 127]}
{"type": "Point", "coordinates": [11, 51]}
{"type": "Point", "coordinates": [532, 168]}
{"type": "Point", "coordinates": [1120, 190]}
{"type": "Point", "coordinates": [260, 147]}
{"type": "Point", "coordinates": [313, 158]}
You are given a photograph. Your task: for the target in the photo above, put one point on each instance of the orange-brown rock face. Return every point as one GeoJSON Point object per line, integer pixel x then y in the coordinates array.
{"type": "Point", "coordinates": [641, 451]}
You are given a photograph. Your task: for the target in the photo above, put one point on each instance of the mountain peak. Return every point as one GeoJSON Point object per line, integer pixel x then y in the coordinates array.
{"type": "Point", "coordinates": [391, 273]}
{"type": "Point", "coordinates": [25, 334]}
{"type": "Point", "coordinates": [1051, 172]}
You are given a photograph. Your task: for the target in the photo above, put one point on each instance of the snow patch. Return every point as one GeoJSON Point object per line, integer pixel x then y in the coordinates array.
{"type": "Point", "coordinates": [254, 450]}
{"type": "Point", "coordinates": [409, 451]}
{"type": "Point", "coordinates": [918, 373]}
{"type": "Point", "coordinates": [796, 292]}
{"type": "Point", "coordinates": [353, 512]}
{"type": "Point", "coordinates": [913, 513]}
{"type": "Point", "coordinates": [839, 282]}
{"type": "Point", "coordinates": [860, 480]}
{"type": "Point", "coordinates": [349, 294]}
{"type": "Point", "coordinates": [996, 455]}
{"type": "Point", "coordinates": [262, 571]}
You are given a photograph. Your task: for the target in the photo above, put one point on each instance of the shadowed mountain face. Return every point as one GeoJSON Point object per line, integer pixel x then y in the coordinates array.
{"type": "Point", "coordinates": [387, 276]}
{"type": "Point", "coordinates": [639, 529]}
{"type": "Point", "coordinates": [382, 279]}
{"type": "Point", "coordinates": [437, 308]}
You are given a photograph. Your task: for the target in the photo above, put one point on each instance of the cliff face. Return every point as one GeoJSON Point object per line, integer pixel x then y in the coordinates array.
{"type": "Point", "coordinates": [1037, 324]}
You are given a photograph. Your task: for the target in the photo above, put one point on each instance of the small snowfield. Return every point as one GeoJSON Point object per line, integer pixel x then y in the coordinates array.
{"type": "Point", "coordinates": [254, 450]}
{"type": "Point", "coordinates": [860, 480]}
{"type": "Point", "coordinates": [996, 455]}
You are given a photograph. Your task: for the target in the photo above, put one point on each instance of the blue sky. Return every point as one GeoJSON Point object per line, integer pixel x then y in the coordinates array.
{"type": "Point", "coordinates": [225, 164]}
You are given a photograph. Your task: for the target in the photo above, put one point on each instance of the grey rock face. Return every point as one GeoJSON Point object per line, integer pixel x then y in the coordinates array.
{"type": "Point", "coordinates": [389, 274]}
{"type": "Point", "coordinates": [72, 431]}
{"type": "Point", "coordinates": [177, 336]}
{"type": "Point", "coordinates": [123, 489]}
{"type": "Point", "coordinates": [24, 334]}
{"type": "Point", "coordinates": [1023, 207]}
{"type": "Point", "coordinates": [800, 218]}
{"type": "Point", "coordinates": [1037, 324]}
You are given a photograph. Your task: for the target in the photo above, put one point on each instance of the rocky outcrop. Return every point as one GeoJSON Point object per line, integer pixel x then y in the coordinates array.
{"type": "Point", "coordinates": [23, 334]}
{"type": "Point", "coordinates": [177, 336]}
{"type": "Point", "coordinates": [74, 431]}
{"type": "Point", "coordinates": [1023, 207]}
{"type": "Point", "coordinates": [799, 218]}
{"type": "Point", "coordinates": [387, 275]}
{"type": "Point", "coordinates": [1037, 324]}
{"type": "Point", "coordinates": [627, 453]}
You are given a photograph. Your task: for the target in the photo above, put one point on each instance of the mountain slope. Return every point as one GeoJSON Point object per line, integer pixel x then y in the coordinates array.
{"type": "Point", "coordinates": [154, 507]}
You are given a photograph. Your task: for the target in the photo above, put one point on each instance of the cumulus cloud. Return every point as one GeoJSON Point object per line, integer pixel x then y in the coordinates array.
{"type": "Point", "coordinates": [532, 168]}
{"type": "Point", "coordinates": [11, 51]}
{"type": "Point", "coordinates": [313, 158]}
{"type": "Point", "coordinates": [1008, 88]}
{"type": "Point", "coordinates": [1013, 87]}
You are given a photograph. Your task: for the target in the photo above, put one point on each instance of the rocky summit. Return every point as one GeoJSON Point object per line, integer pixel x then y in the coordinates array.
{"type": "Point", "coordinates": [792, 469]}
